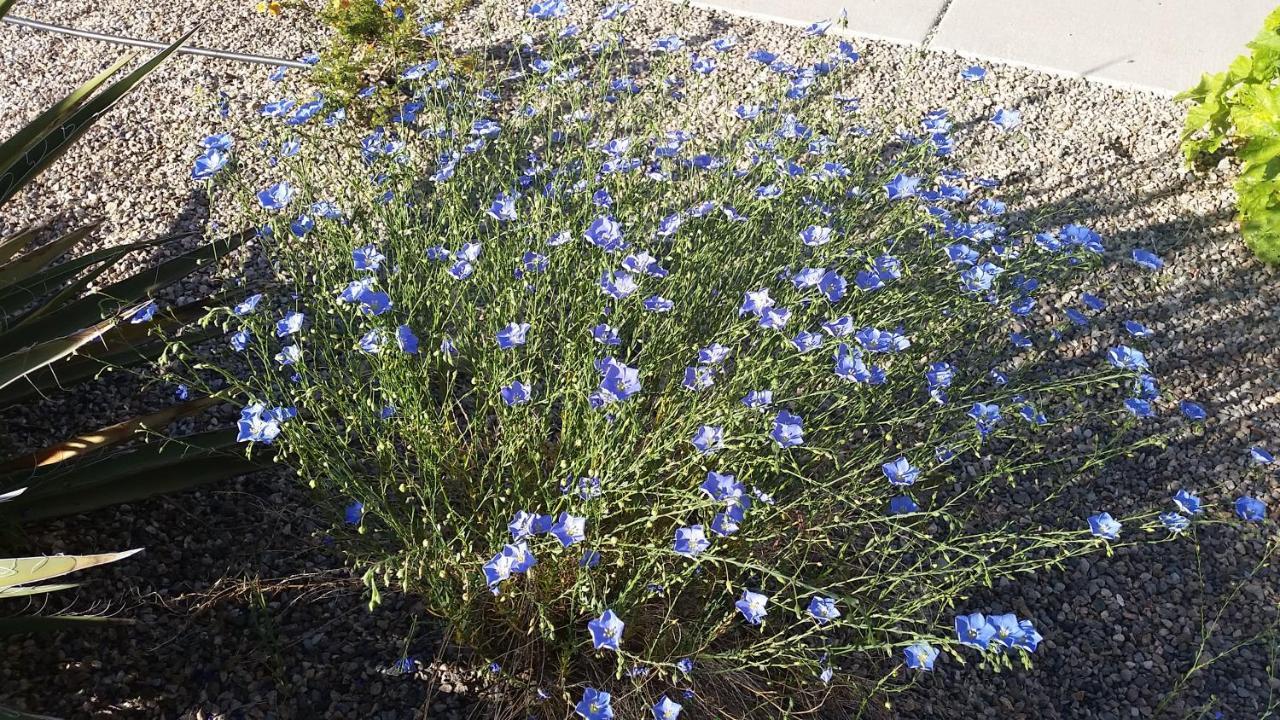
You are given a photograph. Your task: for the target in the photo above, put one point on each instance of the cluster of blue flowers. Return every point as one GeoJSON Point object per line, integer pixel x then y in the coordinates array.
{"type": "Point", "coordinates": [577, 322]}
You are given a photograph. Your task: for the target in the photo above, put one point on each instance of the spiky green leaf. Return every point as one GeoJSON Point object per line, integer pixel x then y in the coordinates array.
{"type": "Point", "coordinates": [50, 146]}
{"type": "Point", "coordinates": [19, 364]}
{"type": "Point", "coordinates": [11, 245]}
{"type": "Point", "coordinates": [24, 267]}
{"type": "Point", "coordinates": [153, 468]}
{"type": "Point", "coordinates": [55, 623]}
{"type": "Point", "coordinates": [132, 290]}
{"type": "Point", "coordinates": [28, 590]}
{"type": "Point", "coordinates": [24, 571]}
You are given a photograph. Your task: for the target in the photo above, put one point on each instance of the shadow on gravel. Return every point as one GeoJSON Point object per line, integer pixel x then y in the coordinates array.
{"type": "Point", "coordinates": [235, 621]}
{"type": "Point", "coordinates": [1123, 633]}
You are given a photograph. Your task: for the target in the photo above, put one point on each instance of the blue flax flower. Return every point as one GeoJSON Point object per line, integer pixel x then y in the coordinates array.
{"type": "Point", "coordinates": [290, 324]}
{"type": "Point", "coordinates": [1147, 260]}
{"type": "Point", "coordinates": [902, 186]}
{"type": "Point", "coordinates": [1126, 358]}
{"type": "Point", "coordinates": [823, 609]}
{"type": "Point", "coordinates": [667, 709]}
{"type": "Point", "coordinates": [503, 208]}
{"type": "Point", "coordinates": [708, 439]}
{"type": "Point", "coordinates": [1006, 119]}
{"type": "Point", "coordinates": [513, 335]}
{"type": "Point", "coordinates": [367, 257]}
{"type": "Point", "coordinates": [691, 541]}
{"type": "Point", "coordinates": [502, 565]}
{"type": "Point", "coordinates": [606, 234]}
{"type": "Point", "coordinates": [277, 196]}
{"type": "Point", "coordinates": [902, 504]}
{"type": "Point", "coordinates": [1188, 502]}
{"type": "Point", "coordinates": [606, 631]}
{"type": "Point", "coordinates": [755, 302]}
{"type": "Point", "coordinates": [371, 342]}
{"type": "Point", "coordinates": [144, 313]}
{"type": "Point", "coordinates": [773, 318]}
{"type": "Point", "coordinates": [517, 393]}
{"type": "Point", "coordinates": [752, 606]}
{"type": "Point", "coordinates": [1192, 411]}
{"type": "Point", "coordinates": [815, 235]}
{"type": "Point", "coordinates": [974, 630]}
{"type": "Point", "coordinates": [606, 334]}
{"type": "Point", "coordinates": [1104, 526]}
{"type": "Point", "coordinates": [788, 430]}
{"type": "Point", "coordinates": [900, 472]}
{"type": "Point", "coordinates": [986, 416]}
{"type": "Point", "coordinates": [569, 529]}
{"type": "Point", "coordinates": [920, 656]}
{"type": "Point", "coordinates": [1174, 522]}
{"type": "Point", "coordinates": [247, 306]}
{"type": "Point", "coordinates": [1137, 329]}
{"type": "Point", "coordinates": [210, 163]}
{"type": "Point", "coordinates": [1250, 509]}
{"type": "Point", "coordinates": [407, 341]}
{"type": "Point", "coordinates": [595, 705]}
{"type": "Point", "coordinates": [658, 304]}
{"type": "Point", "coordinates": [1027, 638]}
{"type": "Point", "coordinates": [619, 381]}
{"type": "Point", "coordinates": [806, 341]}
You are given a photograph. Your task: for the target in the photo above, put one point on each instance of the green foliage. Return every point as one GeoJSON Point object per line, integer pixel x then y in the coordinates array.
{"type": "Point", "coordinates": [46, 318]}
{"type": "Point", "coordinates": [1240, 110]}
{"type": "Point", "coordinates": [359, 20]}
{"type": "Point", "coordinates": [54, 334]}
{"type": "Point", "coordinates": [430, 460]}
{"type": "Point", "coordinates": [371, 43]}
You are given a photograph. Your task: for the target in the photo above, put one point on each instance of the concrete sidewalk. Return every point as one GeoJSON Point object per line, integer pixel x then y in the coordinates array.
{"type": "Point", "coordinates": [1157, 45]}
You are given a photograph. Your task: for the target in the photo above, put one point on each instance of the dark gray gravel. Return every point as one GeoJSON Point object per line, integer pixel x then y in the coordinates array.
{"type": "Point", "coordinates": [238, 616]}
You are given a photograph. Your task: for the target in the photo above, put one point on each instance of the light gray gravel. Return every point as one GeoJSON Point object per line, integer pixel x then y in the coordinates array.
{"type": "Point", "coordinates": [1119, 631]}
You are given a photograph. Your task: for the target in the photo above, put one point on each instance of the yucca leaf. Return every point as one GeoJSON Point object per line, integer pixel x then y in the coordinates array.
{"type": "Point", "coordinates": [110, 478]}
{"type": "Point", "coordinates": [22, 294]}
{"type": "Point", "coordinates": [17, 270]}
{"type": "Point", "coordinates": [54, 623]}
{"type": "Point", "coordinates": [53, 118]}
{"type": "Point", "coordinates": [28, 590]}
{"type": "Point", "coordinates": [17, 241]}
{"type": "Point", "coordinates": [66, 295]}
{"type": "Point", "coordinates": [123, 345]}
{"type": "Point", "coordinates": [50, 146]}
{"type": "Point", "coordinates": [105, 437]}
{"type": "Point", "coordinates": [18, 364]}
{"type": "Point", "coordinates": [91, 359]}
{"type": "Point", "coordinates": [131, 290]}
{"type": "Point", "coordinates": [23, 571]}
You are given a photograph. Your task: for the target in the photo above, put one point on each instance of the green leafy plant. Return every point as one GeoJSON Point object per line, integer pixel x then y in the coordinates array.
{"type": "Point", "coordinates": [24, 578]}
{"type": "Point", "coordinates": [1239, 110]}
{"type": "Point", "coordinates": [372, 43]}
{"type": "Point", "coordinates": [56, 333]}
{"type": "Point", "coordinates": [639, 402]}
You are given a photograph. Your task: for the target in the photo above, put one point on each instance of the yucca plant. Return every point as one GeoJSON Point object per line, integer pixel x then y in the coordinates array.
{"type": "Point", "coordinates": [56, 332]}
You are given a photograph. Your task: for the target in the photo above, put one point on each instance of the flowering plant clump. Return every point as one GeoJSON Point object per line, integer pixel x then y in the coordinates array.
{"type": "Point", "coordinates": [664, 416]}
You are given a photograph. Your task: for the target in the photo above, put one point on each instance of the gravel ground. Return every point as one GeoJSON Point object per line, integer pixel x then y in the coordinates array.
{"type": "Point", "coordinates": [238, 618]}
